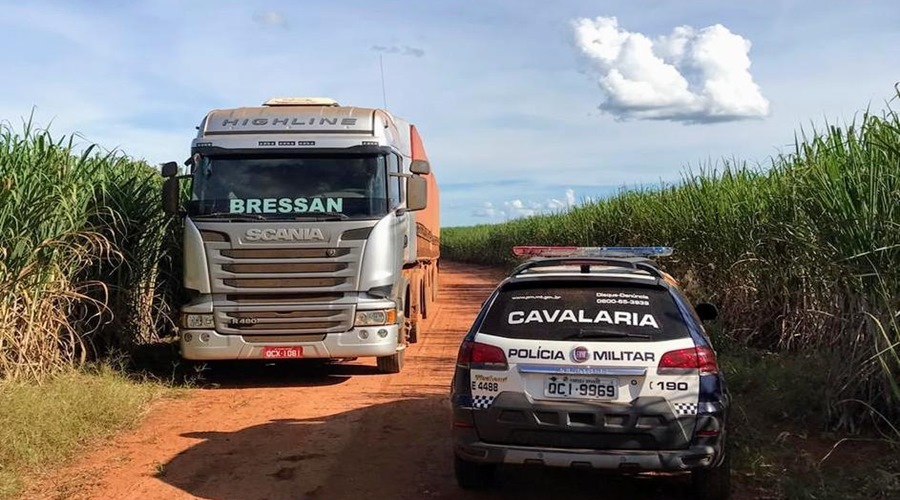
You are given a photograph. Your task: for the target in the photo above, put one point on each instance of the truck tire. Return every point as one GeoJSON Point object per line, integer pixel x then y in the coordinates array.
{"type": "Point", "coordinates": [473, 476]}
{"type": "Point", "coordinates": [413, 335]}
{"type": "Point", "coordinates": [392, 363]}
{"type": "Point", "coordinates": [435, 277]}
{"type": "Point", "coordinates": [423, 300]}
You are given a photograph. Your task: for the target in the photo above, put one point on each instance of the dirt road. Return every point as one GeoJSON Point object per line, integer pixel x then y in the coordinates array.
{"type": "Point", "coordinates": [324, 432]}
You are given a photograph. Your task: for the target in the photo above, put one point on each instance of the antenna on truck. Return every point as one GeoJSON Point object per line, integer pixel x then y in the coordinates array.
{"type": "Point", "coordinates": [383, 93]}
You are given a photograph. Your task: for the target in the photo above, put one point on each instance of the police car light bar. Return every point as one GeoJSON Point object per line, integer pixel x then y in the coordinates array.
{"type": "Point", "coordinates": [538, 251]}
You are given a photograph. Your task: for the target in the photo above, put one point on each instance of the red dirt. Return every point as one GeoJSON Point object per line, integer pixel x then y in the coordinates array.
{"type": "Point", "coordinates": [324, 432]}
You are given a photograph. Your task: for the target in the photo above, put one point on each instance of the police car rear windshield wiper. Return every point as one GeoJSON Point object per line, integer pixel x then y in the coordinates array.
{"type": "Point", "coordinates": [229, 215]}
{"type": "Point", "coordinates": [593, 333]}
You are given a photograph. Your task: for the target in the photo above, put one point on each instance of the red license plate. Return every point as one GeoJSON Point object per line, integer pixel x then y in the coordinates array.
{"type": "Point", "coordinates": [282, 352]}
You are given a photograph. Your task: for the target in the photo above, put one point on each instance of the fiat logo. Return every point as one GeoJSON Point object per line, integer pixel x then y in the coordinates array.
{"type": "Point", "coordinates": [580, 354]}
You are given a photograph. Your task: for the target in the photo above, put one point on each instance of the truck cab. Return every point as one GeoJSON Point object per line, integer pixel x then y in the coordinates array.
{"type": "Point", "coordinates": [311, 230]}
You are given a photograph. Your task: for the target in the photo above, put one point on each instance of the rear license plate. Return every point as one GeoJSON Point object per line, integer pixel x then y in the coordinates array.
{"type": "Point", "coordinates": [580, 387]}
{"type": "Point", "coordinates": [282, 352]}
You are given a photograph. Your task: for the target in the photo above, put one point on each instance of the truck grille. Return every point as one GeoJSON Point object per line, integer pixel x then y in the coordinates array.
{"type": "Point", "coordinates": [282, 298]}
{"type": "Point", "coordinates": [283, 270]}
{"type": "Point", "coordinates": [283, 282]}
{"type": "Point", "coordinates": [280, 320]}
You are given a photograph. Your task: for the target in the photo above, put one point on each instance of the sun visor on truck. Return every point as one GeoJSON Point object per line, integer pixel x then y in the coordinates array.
{"type": "Point", "coordinates": [281, 120]}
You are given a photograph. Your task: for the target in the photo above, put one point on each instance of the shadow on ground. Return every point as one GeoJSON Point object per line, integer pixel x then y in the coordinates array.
{"type": "Point", "coordinates": [396, 450]}
{"type": "Point", "coordinates": [161, 361]}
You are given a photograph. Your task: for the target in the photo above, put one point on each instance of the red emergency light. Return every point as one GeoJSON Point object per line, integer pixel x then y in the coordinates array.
{"type": "Point", "coordinates": [550, 251]}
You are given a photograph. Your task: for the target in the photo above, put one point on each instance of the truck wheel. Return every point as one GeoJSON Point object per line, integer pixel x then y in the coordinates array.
{"type": "Point", "coordinates": [435, 277]}
{"type": "Point", "coordinates": [423, 303]}
{"type": "Point", "coordinates": [413, 334]}
{"type": "Point", "coordinates": [714, 483]}
{"type": "Point", "coordinates": [473, 476]}
{"type": "Point", "coordinates": [392, 363]}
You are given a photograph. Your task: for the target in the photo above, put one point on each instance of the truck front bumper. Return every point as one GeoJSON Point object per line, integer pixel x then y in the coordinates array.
{"type": "Point", "coordinates": [208, 345]}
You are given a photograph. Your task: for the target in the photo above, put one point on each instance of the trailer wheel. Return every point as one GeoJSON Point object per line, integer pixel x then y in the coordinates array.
{"type": "Point", "coordinates": [413, 334]}
{"type": "Point", "coordinates": [392, 363]}
{"type": "Point", "coordinates": [435, 277]}
{"type": "Point", "coordinates": [423, 302]}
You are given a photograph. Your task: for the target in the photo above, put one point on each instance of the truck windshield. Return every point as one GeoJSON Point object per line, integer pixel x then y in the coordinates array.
{"type": "Point", "coordinates": [291, 186]}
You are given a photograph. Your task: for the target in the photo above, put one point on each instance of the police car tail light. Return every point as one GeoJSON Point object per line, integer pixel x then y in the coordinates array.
{"type": "Point", "coordinates": [481, 356]}
{"type": "Point", "coordinates": [543, 251]}
{"type": "Point", "coordinates": [690, 359]}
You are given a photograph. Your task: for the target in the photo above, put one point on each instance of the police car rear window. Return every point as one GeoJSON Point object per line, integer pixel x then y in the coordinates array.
{"type": "Point", "coordinates": [586, 311]}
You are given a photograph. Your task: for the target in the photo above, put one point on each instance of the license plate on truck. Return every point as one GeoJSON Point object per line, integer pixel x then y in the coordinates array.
{"type": "Point", "coordinates": [282, 352]}
{"type": "Point", "coordinates": [569, 387]}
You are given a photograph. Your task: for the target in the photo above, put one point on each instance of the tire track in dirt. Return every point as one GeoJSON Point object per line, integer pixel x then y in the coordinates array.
{"type": "Point", "coordinates": [323, 432]}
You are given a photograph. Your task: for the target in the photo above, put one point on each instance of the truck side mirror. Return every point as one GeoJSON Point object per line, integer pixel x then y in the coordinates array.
{"type": "Point", "coordinates": [420, 167]}
{"type": "Point", "coordinates": [169, 169]}
{"type": "Point", "coordinates": [706, 312]}
{"type": "Point", "coordinates": [170, 195]}
{"type": "Point", "coordinates": [416, 193]}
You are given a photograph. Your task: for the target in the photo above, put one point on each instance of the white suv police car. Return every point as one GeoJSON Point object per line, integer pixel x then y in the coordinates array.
{"type": "Point", "coordinates": [591, 357]}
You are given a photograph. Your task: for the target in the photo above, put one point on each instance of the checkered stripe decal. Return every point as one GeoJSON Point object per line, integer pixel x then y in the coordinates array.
{"type": "Point", "coordinates": [685, 408]}
{"type": "Point", "coordinates": [482, 401]}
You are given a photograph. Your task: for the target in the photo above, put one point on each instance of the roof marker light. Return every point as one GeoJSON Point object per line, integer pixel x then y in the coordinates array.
{"type": "Point", "coordinates": [300, 101]}
{"type": "Point", "coordinates": [543, 251]}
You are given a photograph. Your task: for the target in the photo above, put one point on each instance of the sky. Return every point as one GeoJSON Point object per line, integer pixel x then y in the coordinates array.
{"type": "Point", "coordinates": [525, 107]}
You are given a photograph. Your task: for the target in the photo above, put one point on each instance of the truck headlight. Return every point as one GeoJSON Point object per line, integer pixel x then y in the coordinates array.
{"type": "Point", "coordinates": [376, 317]}
{"type": "Point", "coordinates": [198, 321]}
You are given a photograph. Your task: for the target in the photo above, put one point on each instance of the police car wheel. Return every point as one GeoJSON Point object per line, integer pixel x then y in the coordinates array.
{"type": "Point", "coordinates": [473, 476]}
{"type": "Point", "coordinates": [714, 483]}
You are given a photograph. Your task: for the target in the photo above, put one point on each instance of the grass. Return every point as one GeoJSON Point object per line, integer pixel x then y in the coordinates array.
{"type": "Point", "coordinates": [777, 432]}
{"type": "Point", "coordinates": [43, 425]}
{"type": "Point", "coordinates": [802, 256]}
{"type": "Point", "coordinates": [84, 266]}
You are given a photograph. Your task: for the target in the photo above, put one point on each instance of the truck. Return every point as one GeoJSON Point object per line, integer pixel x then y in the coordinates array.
{"type": "Point", "coordinates": [311, 230]}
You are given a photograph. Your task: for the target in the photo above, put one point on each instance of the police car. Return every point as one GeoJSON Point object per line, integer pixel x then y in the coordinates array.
{"type": "Point", "coordinates": [591, 357]}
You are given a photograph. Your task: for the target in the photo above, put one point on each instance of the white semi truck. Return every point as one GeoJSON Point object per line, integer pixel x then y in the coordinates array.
{"type": "Point", "coordinates": [311, 231]}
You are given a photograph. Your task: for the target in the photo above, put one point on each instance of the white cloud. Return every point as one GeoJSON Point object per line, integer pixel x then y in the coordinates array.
{"type": "Point", "coordinates": [273, 18]}
{"type": "Point", "coordinates": [405, 50]}
{"type": "Point", "coordinates": [515, 209]}
{"type": "Point", "coordinates": [694, 76]}
{"type": "Point", "coordinates": [487, 210]}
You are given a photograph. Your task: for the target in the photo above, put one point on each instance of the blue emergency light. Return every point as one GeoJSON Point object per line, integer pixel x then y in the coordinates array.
{"type": "Point", "coordinates": [612, 252]}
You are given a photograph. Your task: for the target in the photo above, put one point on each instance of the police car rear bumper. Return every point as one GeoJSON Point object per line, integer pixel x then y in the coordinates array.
{"type": "Point", "coordinates": [695, 457]}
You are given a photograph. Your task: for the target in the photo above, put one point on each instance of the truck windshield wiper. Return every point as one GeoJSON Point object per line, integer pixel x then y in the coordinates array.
{"type": "Point", "coordinates": [229, 215]}
{"type": "Point", "coordinates": [310, 216]}
{"type": "Point", "coordinates": [274, 217]}
{"type": "Point", "coordinates": [593, 333]}
{"type": "Point", "coordinates": [330, 215]}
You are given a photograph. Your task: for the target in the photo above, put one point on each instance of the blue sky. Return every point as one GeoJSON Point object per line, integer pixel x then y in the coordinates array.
{"type": "Point", "coordinates": [507, 99]}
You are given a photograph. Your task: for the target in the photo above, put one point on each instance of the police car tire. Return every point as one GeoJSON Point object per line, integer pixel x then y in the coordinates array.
{"type": "Point", "coordinates": [392, 363]}
{"type": "Point", "coordinates": [473, 476]}
{"type": "Point", "coordinates": [714, 483]}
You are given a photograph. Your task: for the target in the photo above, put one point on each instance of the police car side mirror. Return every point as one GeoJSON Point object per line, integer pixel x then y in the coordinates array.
{"type": "Point", "coordinates": [706, 311]}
